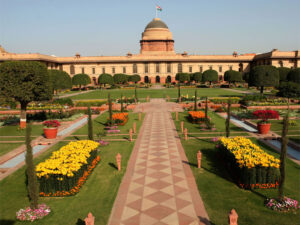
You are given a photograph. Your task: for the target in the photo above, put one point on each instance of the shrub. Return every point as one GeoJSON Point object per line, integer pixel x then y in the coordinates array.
{"type": "Point", "coordinates": [81, 80]}
{"type": "Point", "coordinates": [294, 75]}
{"type": "Point", "coordinates": [289, 90]}
{"type": "Point", "coordinates": [61, 174]}
{"type": "Point", "coordinates": [210, 76]}
{"type": "Point", "coordinates": [253, 167]}
{"type": "Point", "coordinates": [105, 79]}
{"type": "Point", "coordinates": [233, 76]}
{"type": "Point", "coordinates": [64, 101]}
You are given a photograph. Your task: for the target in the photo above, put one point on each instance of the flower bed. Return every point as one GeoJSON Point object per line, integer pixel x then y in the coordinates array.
{"type": "Point", "coordinates": [253, 167]}
{"type": "Point", "coordinates": [196, 116]}
{"type": "Point", "coordinates": [285, 205]}
{"type": "Point", "coordinates": [120, 118]}
{"type": "Point", "coordinates": [67, 169]}
{"type": "Point", "coordinates": [31, 215]}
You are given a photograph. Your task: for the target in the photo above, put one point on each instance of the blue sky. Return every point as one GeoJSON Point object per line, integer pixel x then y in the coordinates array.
{"type": "Point", "coordinates": [64, 27]}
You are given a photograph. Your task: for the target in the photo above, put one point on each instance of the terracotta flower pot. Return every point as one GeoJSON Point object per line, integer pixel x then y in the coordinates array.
{"type": "Point", "coordinates": [50, 132]}
{"type": "Point", "coordinates": [263, 128]}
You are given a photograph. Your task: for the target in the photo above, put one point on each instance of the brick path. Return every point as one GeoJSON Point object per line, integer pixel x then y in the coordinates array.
{"type": "Point", "coordinates": [158, 187]}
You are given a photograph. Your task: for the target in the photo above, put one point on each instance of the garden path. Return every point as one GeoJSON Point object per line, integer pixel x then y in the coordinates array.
{"type": "Point", "coordinates": [158, 187]}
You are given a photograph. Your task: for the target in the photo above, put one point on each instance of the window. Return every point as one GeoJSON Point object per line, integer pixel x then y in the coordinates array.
{"type": "Point", "coordinates": [146, 68]}
{"type": "Point", "coordinates": [210, 67]}
{"type": "Point", "coordinates": [72, 69]}
{"type": "Point", "coordinates": [157, 68]}
{"type": "Point", "coordinates": [52, 66]}
{"type": "Point", "coordinates": [220, 68]}
{"type": "Point", "coordinates": [124, 69]}
{"type": "Point", "coordinates": [82, 70]}
{"type": "Point", "coordinates": [134, 69]}
{"type": "Point", "coordinates": [60, 67]}
{"type": "Point", "coordinates": [113, 70]}
{"type": "Point", "coordinates": [103, 69]}
{"type": "Point", "coordinates": [190, 69]}
{"type": "Point", "coordinates": [179, 67]}
{"type": "Point", "coordinates": [93, 70]}
{"type": "Point", "coordinates": [169, 68]}
{"type": "Point", "coordinates": [280, 63]}
{"type": "Point", "coordinates": [241, 67]}
{"type": "Point", "coordinates": [201, 69]}
{"type": "Point", "coordinates": [230, 67]}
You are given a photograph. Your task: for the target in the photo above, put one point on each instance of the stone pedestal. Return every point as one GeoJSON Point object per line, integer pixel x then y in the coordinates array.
{"type": "Point", "coordinates": [90, 219]}
{"type": "Point", "coordinates": [118, 159]}
{"type": "Point", "coordinates": [199, 155]}
{"type": "Point", "coordinates": [232, 217]}
{"type": "Point", "coordinates": [181, 124]}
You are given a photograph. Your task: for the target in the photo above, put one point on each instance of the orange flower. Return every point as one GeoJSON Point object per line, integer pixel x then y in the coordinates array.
{"type": "Point", "coordinates": [197, 114]}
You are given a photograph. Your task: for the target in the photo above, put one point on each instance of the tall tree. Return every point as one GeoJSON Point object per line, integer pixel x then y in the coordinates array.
{"type": "Point", "coordinates": [195, 104]}
{"type": "Point", "coordinates": [284, 142]}
{"type": "Point", "coordinates": [120, 78]}
{"type": "Point", "coordinates": [179, 94]}
{"type": "Point", "coordinates": [105, 78]}
{"type": "Point", "coordinates": [135, 94]}
{"type": "Point", "coordinates": [264, 76]}
{"type": "Point", "coordinates": [90, 125]}
{"type": "Point", "coordinates": [227, 122]}
{"type": "Point", "coordinates": [289, 90]}
{"type": "Point", "coordinates": [197, 77]}
{"type": "Point", "coordinates": [24, 81]}
{"type": "Point", "coordinates": [110, 110]}
{"type": "Point", "coordinates": [121, 100]}
{"type": "Point", "coordinates": [283, 73]}
{"type": "Point", "coordinates": [81, 79]}
{"type": "Point", "coordinates": [206, 109]}
{"type": "Point", "coordinates": [32, 186]}
{"type": "Point", "coordinates": [59, 80]}
{"type": "Point", "coordinates": [210, 76]}
{"type": "Point", "coordinates": [182, 77]}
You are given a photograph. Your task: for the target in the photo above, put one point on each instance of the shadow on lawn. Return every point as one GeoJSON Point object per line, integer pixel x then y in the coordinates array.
{"type": "Point", "coordinates": [113, 165]}
{"type": "Point", "coordinates": [7, 222]}
{"type": "Point", "coordinates": [80, 222]}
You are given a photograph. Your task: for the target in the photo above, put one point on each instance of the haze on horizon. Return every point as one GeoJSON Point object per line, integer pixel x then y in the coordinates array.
{"type": "Point", "coordinates": [94, 28]}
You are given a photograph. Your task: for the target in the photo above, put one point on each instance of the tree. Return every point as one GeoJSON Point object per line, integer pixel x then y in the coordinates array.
{"type": "Point", "coordinates": [121, 100]}
{"type": "Point", "coordinates": [197, 77]}
{"type": "Point", "coordinates": [294, 75]}
{"type": "Point", "coordinates": [135, 78]}
{"type": "Point", "coordinates": [179, 93]}
{"type": "Point", "coordinates": [206, 109]}
{"type": "Point", "coordinates": [227, 122]}
{"type": "Point", "coordinates": [233, 76]}
{"type": "Point", "coordinates": [210, 76]}
{"type": "Point", "coordinates": [264, 76]}
{"type": "Point", "coordinates": [110, 110]}
{"type": "Point", "coordinates": [284, 142]}
{"type": "Point", "coordinates": [105, 78]}
{"type": "Point", "coordinates": [289, 90]}
{"type": "Point", "coordinates": [195, 103]}
{"type": "Point", "coordinates": [59, 80]}
{"type": "Point", "coordinates": [246, 77]}
{"type": "Point", "coordinates": [135, 94]}
{"type": "Point", "coordinates": [120, 78]}
{"type": "Point", "coordinates": [24, 82]}
{"type": "Point", "coordinates": [90, 125]}
{"type": "Point", "coordinates": [182, 77]}
{"type": "Point", "coordinates": [283, 73]}
{"type": "Point", "coordinates": [81, 79]}
{"type": "Point", "coordinates": [32, 186]}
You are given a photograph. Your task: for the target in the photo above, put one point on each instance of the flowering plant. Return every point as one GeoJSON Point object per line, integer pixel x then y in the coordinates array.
{"type": "Point", "coordinates": [33, 214]}
{"type": "Point", "coordinates": [197, 116]}
{"type": "Point", "coordinates": [51, 123]}
{"type": "Point", "coordinates": [264, 115]}
{"type": "Point", "coordinates": [287, 204]}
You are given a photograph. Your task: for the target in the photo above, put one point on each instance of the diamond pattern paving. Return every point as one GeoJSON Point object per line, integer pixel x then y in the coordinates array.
{"type": "Point", "coordinates": [155, 189]}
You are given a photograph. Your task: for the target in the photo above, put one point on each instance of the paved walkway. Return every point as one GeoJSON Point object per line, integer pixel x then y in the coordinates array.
{"type": "Point", "coordinates": [158, 187]}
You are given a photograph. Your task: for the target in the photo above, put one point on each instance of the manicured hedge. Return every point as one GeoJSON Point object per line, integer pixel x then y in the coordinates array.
{"type": "Point", "coordinates": [251, 166]}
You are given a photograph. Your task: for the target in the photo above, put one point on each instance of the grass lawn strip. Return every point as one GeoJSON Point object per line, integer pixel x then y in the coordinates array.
{"type": "Point", "coordinates": [220, 194]}
{"type": "Point", "coordinates": [156, 93]}
{"type": "Point", "coordinates": [97, 194]}
{"type": "Point", "coordinates": [7, 147]}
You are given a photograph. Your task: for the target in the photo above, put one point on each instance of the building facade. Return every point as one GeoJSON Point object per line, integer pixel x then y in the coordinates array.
{"type": "Point", "coordinates": [157, 61]}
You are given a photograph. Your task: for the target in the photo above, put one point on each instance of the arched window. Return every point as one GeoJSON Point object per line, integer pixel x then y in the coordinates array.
{"type": "Point", "coordinates": [72, 69]}
{"type": "Point", "coordinates": [157, 67]}
{"type": "Point", "coordinates": [169, 79]}
{"type": "Point", "coordinates": [134, 69]}
{"type": "Point", "coordinates": [157, 79]}
{"type": "Point", "coordinates": [280, 63]}
{"type": "Point", "coordinates": [179, 67]}
{"type": "Point", "coordinates": [146, 79]}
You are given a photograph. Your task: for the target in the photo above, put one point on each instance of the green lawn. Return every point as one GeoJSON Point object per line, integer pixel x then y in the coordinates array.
{"type": "Point", "coordinates": [195, 128]}
{"type": "Point", "coordinates": [220, 194]}
{"type": "Point", "coordinates": [97, 194]}
{"type": "Point", "coordinates": [155, 93]}
{"type": "Point", "coordinates": [5, 148]}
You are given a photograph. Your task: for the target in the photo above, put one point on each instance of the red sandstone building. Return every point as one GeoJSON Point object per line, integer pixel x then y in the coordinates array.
{"type": "Point", "coordinates": [157, 61]}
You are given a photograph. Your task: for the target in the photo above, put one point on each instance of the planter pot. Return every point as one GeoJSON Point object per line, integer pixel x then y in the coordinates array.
{"type": "Point", "coordinates": [263, 128]}
{"type": "Point", "coordinates": [50, 132]}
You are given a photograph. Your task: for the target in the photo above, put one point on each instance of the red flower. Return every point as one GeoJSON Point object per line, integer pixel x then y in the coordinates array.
{"type": "Point", "coordinates": [51, 123]}
{"type": "Point", "coordinates": [266, 114]}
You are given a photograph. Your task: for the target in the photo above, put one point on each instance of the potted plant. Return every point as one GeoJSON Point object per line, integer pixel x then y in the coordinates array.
{"type": "Point", "coordinates": [50, 129]}
{"type": "Point", "coordinates": [263, 126]}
